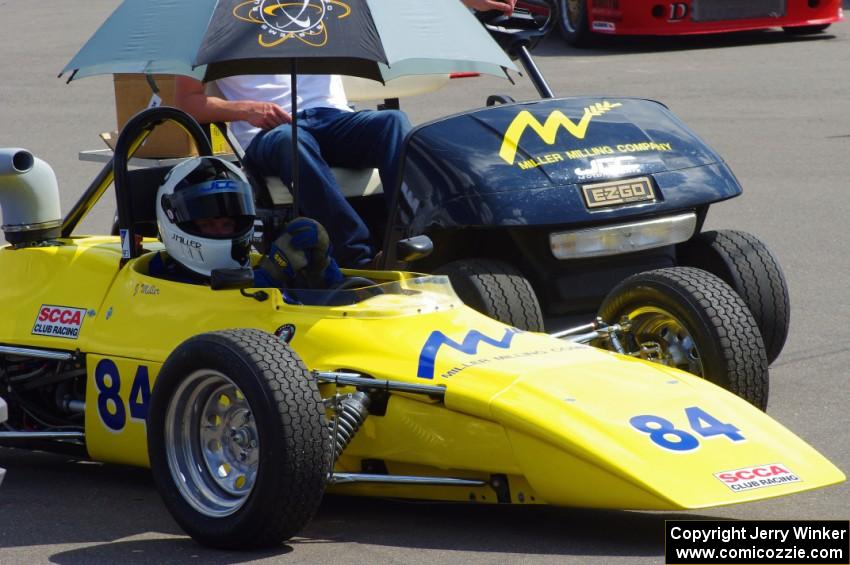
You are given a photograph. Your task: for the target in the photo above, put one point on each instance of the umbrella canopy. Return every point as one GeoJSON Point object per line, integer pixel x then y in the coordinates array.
{"type": "Point", "coordinates": [210, 39]}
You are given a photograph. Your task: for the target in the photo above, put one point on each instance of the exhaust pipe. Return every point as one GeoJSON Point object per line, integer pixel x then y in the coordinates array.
{"type": "Point", "coordinates": [29, 198]}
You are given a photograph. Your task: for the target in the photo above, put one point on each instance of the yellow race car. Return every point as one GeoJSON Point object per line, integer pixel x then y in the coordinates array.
{"type": "Point", "coordinates": [249, 403]}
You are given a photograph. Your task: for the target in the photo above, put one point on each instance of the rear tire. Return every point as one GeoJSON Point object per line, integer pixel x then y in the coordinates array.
{"type": "Point", "coordinates": [699, 324]}
{"type": "Point", "coordinates": [748, 266]}
{"type": "Point", "coordinates": [237, 439]}
{"type": "Point", "coordinates": [496, 289]}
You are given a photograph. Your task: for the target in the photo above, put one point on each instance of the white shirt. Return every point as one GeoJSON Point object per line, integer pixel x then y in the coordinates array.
{"type": "Point", "coordinates": [314, 91]}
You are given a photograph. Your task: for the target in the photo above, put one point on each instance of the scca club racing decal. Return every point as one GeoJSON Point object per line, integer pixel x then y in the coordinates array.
{"type": "Point", "coordinates": [750, 478]}
{"type": "Point", "coordinates": [303, 19]}
{"type": "Point", "coordinates": [59, 321]}
{"type": "Point", "coordinates": [548, 130]}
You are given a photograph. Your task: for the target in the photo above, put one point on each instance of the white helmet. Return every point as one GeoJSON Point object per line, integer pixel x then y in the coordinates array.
{"type": "Point", "coordinates": [205, 214]}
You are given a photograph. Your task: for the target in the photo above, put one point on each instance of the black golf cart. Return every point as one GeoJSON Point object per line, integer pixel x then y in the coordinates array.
{"type": "Point", "coordinates": [539, 209]}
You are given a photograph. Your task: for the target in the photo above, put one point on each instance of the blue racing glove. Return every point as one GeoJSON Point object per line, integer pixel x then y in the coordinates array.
{"type": "Point", "coordinates": [283, 261]}
{"type": "Point", "coordinates": [300, 257]}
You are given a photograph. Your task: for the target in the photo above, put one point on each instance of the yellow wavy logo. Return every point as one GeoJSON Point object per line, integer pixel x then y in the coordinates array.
{"type": "Point", "coordinates": [548, 130]}
{"type": "Point", "coordinates": [303, 20]}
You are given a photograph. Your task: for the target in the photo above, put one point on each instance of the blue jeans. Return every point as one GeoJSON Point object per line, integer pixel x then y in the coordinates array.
{"type": "Point", "coordinates": [328, 137]}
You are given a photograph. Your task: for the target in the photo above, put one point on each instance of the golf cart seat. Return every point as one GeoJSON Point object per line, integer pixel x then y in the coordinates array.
{"type": "Point", "coordinates": [356, 182]}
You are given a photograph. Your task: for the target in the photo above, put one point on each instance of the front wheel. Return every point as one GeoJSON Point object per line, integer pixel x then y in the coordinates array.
{"type": "Point", "coordinates": [237, 439]}
{"type": "Point", "coordinates": [748, 266]}
{"type": "Point", "coordinates": [496, 289]}
{"type": "Point", "coordinates": [573, 24]}
{"type": "Point", "coordinates": [690, 319]}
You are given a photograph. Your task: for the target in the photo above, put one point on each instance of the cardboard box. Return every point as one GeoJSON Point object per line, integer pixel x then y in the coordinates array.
{"type": "Point", "coordinates": [133, 94]}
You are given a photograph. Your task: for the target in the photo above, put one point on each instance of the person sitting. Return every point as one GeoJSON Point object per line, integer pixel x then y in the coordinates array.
{"type": "Point", "coordinates": [330, 134]}
{"type": "Point", "coordinates": [205, 217]}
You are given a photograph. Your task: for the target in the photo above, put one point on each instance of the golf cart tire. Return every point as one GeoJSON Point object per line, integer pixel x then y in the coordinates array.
{"type": "Point", "coordinates": [748, 266]}
{"type": "Point", "coordinates": [726, 337]}
{"type": "Point", "coordinates": [496, 289]}
{"type": "Point", "coordinates": [209, 383]}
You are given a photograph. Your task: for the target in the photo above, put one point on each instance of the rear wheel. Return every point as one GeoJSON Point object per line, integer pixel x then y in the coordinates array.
{"type": "Point", "coordinates": [690, 319]}
{"type": "Point", "coordinates": [496, 289]}
{"type": "Point", "coordinates": [573, 22]}
{"type": "Point", "coordinates": [748, 266]}
{"type": "Point", "coordinates": [237, 439]}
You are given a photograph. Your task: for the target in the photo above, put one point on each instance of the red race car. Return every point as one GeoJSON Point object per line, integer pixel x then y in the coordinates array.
{"type": "Point", "coordinates": [580, 20]}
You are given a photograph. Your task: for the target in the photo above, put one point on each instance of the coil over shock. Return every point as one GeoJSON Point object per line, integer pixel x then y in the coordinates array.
{"type": "Point", "coordinates": [351, 410]}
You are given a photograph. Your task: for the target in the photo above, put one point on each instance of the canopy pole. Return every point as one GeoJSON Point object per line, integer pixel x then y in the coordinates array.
{"type": "Point", "coordinates": [295, 164]}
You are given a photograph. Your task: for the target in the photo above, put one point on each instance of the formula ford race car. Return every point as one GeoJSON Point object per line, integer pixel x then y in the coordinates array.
{"type": "Point", "coordinates": [247, 403]}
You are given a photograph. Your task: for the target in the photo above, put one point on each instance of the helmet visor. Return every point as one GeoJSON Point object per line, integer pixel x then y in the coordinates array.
{"type": "Point", "coordinates": [195, 208]}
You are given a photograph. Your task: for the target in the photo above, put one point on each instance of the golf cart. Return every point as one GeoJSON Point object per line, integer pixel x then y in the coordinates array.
{"type": "Point", "coordinates": [543, 210]}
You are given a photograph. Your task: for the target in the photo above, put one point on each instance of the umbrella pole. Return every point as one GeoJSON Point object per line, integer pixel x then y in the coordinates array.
{"type": "Point", "coordinates": [295, 164]}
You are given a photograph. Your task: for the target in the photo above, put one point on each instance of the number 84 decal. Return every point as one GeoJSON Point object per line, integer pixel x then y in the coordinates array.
{"type": "Point", "coordinates": [110, 405]}
{"type": "Point", "coordinates": [664, 434]}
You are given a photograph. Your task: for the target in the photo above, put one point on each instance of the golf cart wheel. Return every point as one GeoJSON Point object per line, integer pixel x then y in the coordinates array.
{"type": "Point", "coordinates": [237, 439]}
{"type": "Point", "coordinates": [805, 30]}
{"type": "Point", "coordinates": [496, 289]}
{"type": "Point", "coordinates": [692, 320]}
{"type": "Point", "coordinates": [573, 22]}
{"type": "Point", "coordinates": [748, 266]}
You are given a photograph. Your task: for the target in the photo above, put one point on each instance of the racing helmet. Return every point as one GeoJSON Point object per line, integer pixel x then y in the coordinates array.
{"type": "Point", "coordinates": [205, 215]}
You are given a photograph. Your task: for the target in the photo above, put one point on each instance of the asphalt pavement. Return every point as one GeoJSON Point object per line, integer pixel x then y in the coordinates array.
{"type": "Point", "coordinates": [776, 108]}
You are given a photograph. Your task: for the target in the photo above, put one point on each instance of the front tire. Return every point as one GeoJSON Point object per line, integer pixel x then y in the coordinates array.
{"type": "Point", "coordinates": [573, 22]}
{"type": "Point", "coordinates": [497, 289]}
{"type": "Point", "coordinates": [697, 324]}
{"type": "Point", "coordinates": [237, 439]}
{"type": "Point", "coordinates": [748, 266]}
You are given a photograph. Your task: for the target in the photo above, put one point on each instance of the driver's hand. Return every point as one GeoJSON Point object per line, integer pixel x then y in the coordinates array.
{"type": "Point", "coordinates": [311, 237]}
{"type": "Point", "coordinates": [283, 261]}
{"type": "Point", "coordinates": [301, 256]}
{"type": "Point", "coordinates": [505, 6]}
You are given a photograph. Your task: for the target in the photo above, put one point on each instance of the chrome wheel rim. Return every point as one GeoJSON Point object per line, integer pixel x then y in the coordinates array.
{"type": "Point", "coordinates": [651, 324]}
{"type": "Point", "coordinates": [212, 444]}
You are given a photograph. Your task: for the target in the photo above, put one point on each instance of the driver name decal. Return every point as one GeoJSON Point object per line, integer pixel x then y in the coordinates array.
{"type": "Point", "coordinates": [548, 130]}
{"type": "Point", "coordinates": [59, 321]}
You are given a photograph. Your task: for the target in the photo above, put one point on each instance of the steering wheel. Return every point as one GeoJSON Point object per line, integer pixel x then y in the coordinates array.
{"type": "Point", "coordinates": [349, 283]}
{"type": "Point", "coordinates": [522, 27]}
{"type": "Point", "coordinates": [133, 133]}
